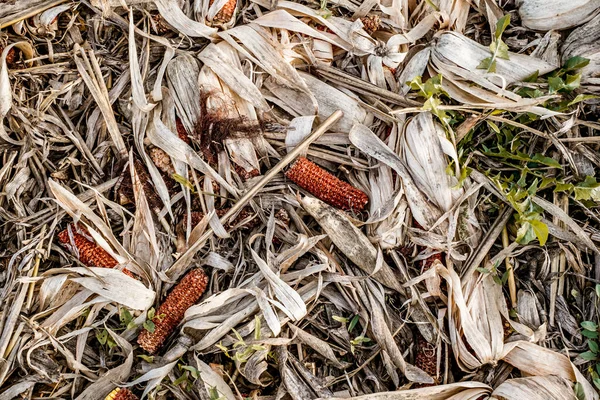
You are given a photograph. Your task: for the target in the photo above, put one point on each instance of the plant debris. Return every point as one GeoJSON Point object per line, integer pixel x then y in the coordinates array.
{"type": "Point", "coordinates": [227, 199]}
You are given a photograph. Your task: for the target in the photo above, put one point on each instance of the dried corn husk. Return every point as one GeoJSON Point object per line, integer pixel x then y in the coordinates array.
{"type": "Point", "coordinates": [328, 98]}
{"type": "Point", "coordinates": [423, 211]}
{"type": "Point", "coordinates": [585, 42]}
{"type": "Point", "coordinates": [457, 57]}
{"type": "Point", "coordinates": [424, 145]}
{"type": "Point", "coordinates": [544, 15]}
{"type": "Point", "coordinates": [350, 240]}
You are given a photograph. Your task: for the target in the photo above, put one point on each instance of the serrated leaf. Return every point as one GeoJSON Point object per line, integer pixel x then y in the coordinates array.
{"type": "Point", "coordinates": [501, 25]}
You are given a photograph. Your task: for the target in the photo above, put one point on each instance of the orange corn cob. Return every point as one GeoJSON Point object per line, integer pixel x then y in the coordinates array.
{"type": "Point", "coordinates": [121, 394]}
{"type": "Point", "coordinates": [226, 13]}
{"type": "Point", "coordinates": [171, 312]}
{"type": "Point", "coordinates": [325, 186]}
{"type": "Point", "coordinates": [89, 253]}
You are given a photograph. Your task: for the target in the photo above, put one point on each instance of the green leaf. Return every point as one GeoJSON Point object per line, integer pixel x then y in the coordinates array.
{"type": "Point", "coordinates": [499, 49]}
{"type": "Point", "coordinates": [353, 323]}
{"type": "Point", "coordinates": [579, 391]}
{"type": "Point", "coordinates": [597, 383]}
{"type": "Point", "coordinates": [125, 316]}
{"type": "Point", "coordinates": [572, 82]}
{"type": "Point", "coordinates": [149, 326]}
{"type": "Point", "coordinates": [180, 380]}
{"type": "Point", "coordinates": [551, 162]}
{"type": "Point", "coordinates": [593, 346]}
{"type": "Point", "coordinates": [588, 356]}
{"type": "Point", "coordinates": [588, 189]}
{"type": "Point", "coordinates": [555, 83]}
{"type": "Point", "coordinates": [151, 313]}
{"type": "Point", "coordinates": [195, 373]}
{"type": "Point", "coordinates": [501, 25]}
{"type": "Point", "coordinates": [532, 78]}
{"type": "Point", "coordinates": [590, 334]}
{"type": "Point", "coordinates": [541, 231]}
{"type": "Point", "coordinates": [102, 336]}
{"type": "Point", "coordinates": [582, 97]}
{"type": "Point", "coordinates": [589, 325]}
{"type": "Point", "coordinates": [576, 62]}
{"type": "Point", "coordinates": [486, 63]}
{"type": "Point", "coordinates": [146, 358]}
{"type": "Point", "coordinates": [493, 126]}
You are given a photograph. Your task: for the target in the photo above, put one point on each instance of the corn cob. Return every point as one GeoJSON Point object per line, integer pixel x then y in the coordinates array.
{"type": "Point", "coordinates": [371, 23]}
{"type": "Point", "coordinates": [121, 394]}
{"type": "Point", "coordinates": [325, 186]}
{"type": "Point", "coordinates": [89, 253]}
{"type": "Point", "coordinates": [162, 161]}
{"type": "Point", "coordinates": [426, 358]}
{"type": "Point", "coordinates": [171, 312]}
{"type": "Point", "coordinates": [226, 13]}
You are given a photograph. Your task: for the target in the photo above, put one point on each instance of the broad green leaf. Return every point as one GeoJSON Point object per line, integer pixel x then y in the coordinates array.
{"type": "Point", "coordinates": [590, 334]}
{"type": "Point", "coordinates": [593, 345]}
{"type": "Point", "coordinates": [589, 325]}
{"type": "Point", "coordinates": [541, 231]}
{"type": "Point", "coordinates": [102, 335]}
{"type": "Point", "coordinates": [576, 62]}
{"type": "Point", "coordinates": [555, 83]}
{"type": "Point", "coordinates": [149, 326]}
{"type": "Point", "coordinates": [588, 356]}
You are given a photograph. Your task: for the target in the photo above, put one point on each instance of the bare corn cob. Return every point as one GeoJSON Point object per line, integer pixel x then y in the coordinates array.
{"type": "Point", "coordinates": [171, 312]}
{"type": "Point", "coordinates": [121, 394]}
{"type": "Point", "coordinates": [226, 13]}
{"type": "Point", "coordinates": [88, 252]}
{"type": "Point", "coordinates": [325, 186]}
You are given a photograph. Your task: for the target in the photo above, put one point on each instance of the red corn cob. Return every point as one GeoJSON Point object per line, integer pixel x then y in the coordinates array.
{"type": "Point", "coordinates": [426, 358]}
{"type": "Point", "coordinates": [121, 394]}
{"type": "Point", "coordinates": [90, 254]}
{"type": "Point", "coordinates": [325, 186]}
{"type": "Point", "coordinates": [171, 312]}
